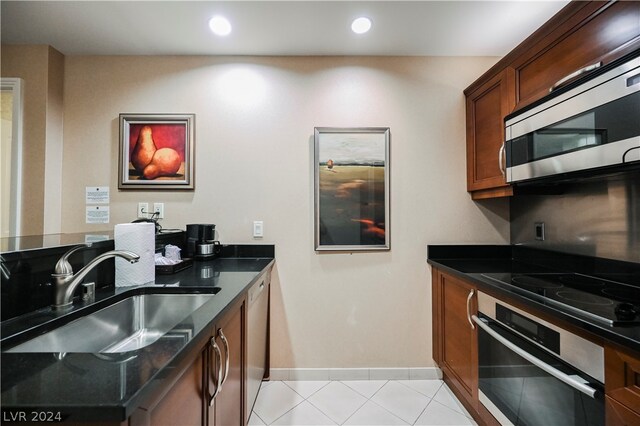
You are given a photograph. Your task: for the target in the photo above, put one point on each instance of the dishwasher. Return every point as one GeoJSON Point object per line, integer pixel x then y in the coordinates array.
{"type": "Point", "coordinates": [257, 335]}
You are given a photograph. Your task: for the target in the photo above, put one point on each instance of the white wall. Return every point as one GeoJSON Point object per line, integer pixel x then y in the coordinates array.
{"type": "Point", "coordinates": [254, 132]}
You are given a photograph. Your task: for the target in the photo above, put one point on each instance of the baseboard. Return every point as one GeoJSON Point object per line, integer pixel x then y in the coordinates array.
{"type": "Point", "coordinates": [411, 373]}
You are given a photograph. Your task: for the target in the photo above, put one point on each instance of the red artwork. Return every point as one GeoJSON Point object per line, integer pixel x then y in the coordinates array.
{"type": "Point", "coordinates": [157, 150]}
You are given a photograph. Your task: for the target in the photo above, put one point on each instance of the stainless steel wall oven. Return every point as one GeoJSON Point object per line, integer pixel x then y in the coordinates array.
{"type": "Point", "coordinates": [532, 372]}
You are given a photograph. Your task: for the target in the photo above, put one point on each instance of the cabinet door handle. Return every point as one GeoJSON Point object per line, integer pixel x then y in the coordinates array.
{"type": "Point", "coordinates": [469, 297]}
{"type": "Point", "coordinates": [575, 74]}
{"type": "Point", "coordinates": [501, 163]}
{"type": "Point", "coordinates": [218, 363]}
{"type": "Point", "coordinates": [226, 357]}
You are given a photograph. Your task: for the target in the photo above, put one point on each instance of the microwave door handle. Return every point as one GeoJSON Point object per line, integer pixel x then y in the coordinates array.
{"type": "Point", "coordinates": [500, 160]}
{"type": "Point", "coordinates": [587, 390]}
{"type": "Point", "coordinates": [574, 75]}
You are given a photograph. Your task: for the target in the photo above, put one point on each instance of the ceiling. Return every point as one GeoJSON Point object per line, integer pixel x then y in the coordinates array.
{"type": "Point", "coordinates": [413, 28]}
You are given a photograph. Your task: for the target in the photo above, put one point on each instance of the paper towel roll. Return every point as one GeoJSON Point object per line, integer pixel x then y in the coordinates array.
{"type": "Point", "coordinates": [139, 238]}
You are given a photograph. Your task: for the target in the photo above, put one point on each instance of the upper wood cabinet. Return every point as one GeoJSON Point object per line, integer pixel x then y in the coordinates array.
{"type": "Point", "coordinates": [607, 33]}
{"type": "Point", "coordinates": [580, 34]}
{"type": "Point", "coordinates": [486, 109]}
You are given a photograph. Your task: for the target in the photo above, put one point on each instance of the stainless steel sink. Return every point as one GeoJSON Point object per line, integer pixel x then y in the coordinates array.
{"type": "Point", "coordinates": [130, 324]}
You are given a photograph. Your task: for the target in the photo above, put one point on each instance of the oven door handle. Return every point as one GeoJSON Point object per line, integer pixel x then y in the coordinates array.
{"type": "Point", "coordinates": [587, 390]}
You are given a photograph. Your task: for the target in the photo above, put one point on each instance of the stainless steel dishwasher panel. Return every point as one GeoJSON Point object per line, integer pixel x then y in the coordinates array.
{"type": "Point", "coordinates": [257, 334]}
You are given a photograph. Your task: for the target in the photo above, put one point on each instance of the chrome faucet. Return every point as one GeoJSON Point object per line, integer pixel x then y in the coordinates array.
{"type": "Point", "coordinates": [66, 282]}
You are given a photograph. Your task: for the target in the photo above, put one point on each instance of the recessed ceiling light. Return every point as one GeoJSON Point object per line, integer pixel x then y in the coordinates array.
{"type": "Point", "coordinates": [220, 25]}
{"type": "Point", "coordinates": [361, 25]}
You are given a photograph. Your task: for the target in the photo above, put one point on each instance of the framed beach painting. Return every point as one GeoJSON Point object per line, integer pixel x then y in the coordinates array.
{"type": "Point", "coordinates": [156, 151]}
{"type": "Point", "coordinates": [351, 188]}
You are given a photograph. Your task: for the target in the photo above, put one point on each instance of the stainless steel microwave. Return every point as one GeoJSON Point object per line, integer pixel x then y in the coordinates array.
{"type": "Point", "coordinates": [591, 125]}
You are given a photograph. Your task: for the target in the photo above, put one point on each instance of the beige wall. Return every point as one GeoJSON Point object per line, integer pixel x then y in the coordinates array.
{"type": "Point", "coordinates": [54, 150]}
{"type": "Point", "coordinates": [30, 64]}
{"type": "Point", "coordinates": [42, 69]}
{"type": "Point", "coordinates": [254, 128]}
{"type": "Point", "coordinates": [6, 124]}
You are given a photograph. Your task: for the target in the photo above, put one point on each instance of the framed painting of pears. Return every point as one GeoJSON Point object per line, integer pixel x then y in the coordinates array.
{"type": "Point", "coordinates": [156, 151]}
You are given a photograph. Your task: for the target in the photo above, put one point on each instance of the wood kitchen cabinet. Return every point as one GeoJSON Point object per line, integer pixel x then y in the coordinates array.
{"type": "Point", "coordinates": [598, 32]}
{"type": "Point", "coordinates": [181, 402]}
{"type": "Point", "coordinates": [228, 408]}
{"type": "Point", "coordinates": [581, 34]}
{"type": "Point", "coordinates": [622, 387]}
{"type": "Point", "coordinates": [486, 108]}
{"type": "Point", "coordinates": [190, 400]}
{"type": "Point", "coordinates": [455, 339]}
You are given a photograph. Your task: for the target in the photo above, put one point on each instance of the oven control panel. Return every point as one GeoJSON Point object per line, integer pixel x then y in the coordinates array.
{"type": "Point", "coordinates": [575, 350]}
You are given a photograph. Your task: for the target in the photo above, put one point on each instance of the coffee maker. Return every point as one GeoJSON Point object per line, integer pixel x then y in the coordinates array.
{"type": "Point", "coordinates": [201, 243]}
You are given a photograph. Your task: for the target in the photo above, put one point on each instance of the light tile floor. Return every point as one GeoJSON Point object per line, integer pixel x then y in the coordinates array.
{"type": "Point", "coordinates": [367, 402]}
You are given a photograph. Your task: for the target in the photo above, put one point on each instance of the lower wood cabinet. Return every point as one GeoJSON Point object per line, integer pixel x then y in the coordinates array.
{"type": "Point", "coordinates": [619, 415]}
{"type": "Point", "coordinates": [210, 388]}
{"type": "Point", "coordinates": [455, 338]}
{"type": "Point", "coordinates": [182, 401]}
{"type": "Point", "coordinates": [228, 405]}
{"type": "Point", "coordinates": [622, 387]}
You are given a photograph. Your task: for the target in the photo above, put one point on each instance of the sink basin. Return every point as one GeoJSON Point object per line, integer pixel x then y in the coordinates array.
{"type": "Point", "coordinates": [130, 324]}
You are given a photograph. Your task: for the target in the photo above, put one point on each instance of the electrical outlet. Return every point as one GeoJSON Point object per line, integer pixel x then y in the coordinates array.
{"type": "Point", "coordinates": [158, 209]}
{"type": "Point", "coordinates": [143, 210]}
{"type": "Point", "coordinates": [539, 230]}
{"type": "Point", "coordinates": [258, 229]}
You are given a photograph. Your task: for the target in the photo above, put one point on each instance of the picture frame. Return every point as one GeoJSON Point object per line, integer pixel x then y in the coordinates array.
{"type": "Point", "coordinates": [156, 151]}
{"type": "Point", "coordinates": [351, 186]}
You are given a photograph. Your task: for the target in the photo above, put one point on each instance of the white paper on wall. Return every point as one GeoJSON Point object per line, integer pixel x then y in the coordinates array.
{"type": "Point", "coordinates": [97, 195]}
{"type": "Point", "coordinates": [97, 214]}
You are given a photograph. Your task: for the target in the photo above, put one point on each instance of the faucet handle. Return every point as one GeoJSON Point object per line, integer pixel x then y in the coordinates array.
{"type": "Point", "coordinates": [63, 267]}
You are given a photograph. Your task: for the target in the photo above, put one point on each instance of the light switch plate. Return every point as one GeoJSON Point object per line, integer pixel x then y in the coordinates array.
{"type": "Point", "coordinates": [258, 229]}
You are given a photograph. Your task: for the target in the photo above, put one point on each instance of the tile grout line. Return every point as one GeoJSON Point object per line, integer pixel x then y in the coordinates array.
{"type": "Point", "coordinates": [470, 419]}
{"type": "Point", "coordinates": [302, 396]}
{"type": "Point", "coordinates": [423, 410]}
{"type": "Point", "coordinates": [253, 413]}
{"type": "Point", "coordinates": [325, 414]}
{"type": "Point", "coordinates": [399, 418]}
{"type": "Point", "coordinates": [367, 399]}
{"type": "Point", "coordinates": [431, 399]}
{"type": "Point", "coordinates": [286, 412]}
{"type": "Point", "coordinates": [415, 390]}
{"type": "Point", "coordinates": [385, 383]}
{"type": "Point", "coordinates": [456, 409]}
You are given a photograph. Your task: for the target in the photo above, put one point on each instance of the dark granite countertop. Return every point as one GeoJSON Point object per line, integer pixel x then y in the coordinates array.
{"type": "Point", "coordinates": [109, 387]}
{"type": "Point", "coordinates": [470, 262]}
